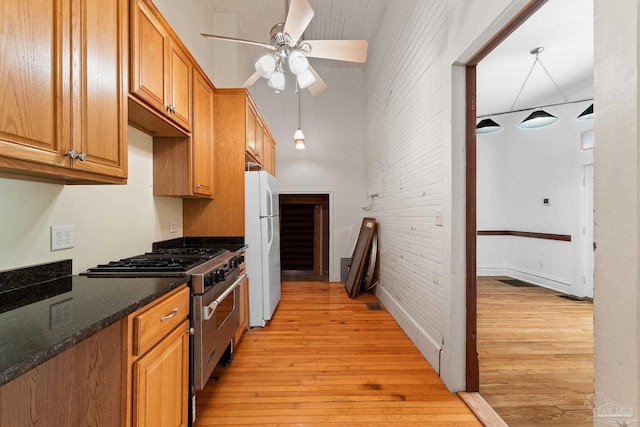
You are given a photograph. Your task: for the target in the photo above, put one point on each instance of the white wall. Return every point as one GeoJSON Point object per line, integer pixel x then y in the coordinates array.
{"type": "Point", "coordinates": [333, 162]}
{"type": "Point", "coordinates": [110, 221]}
{"type": "Point", "coordinates": [516, 170]}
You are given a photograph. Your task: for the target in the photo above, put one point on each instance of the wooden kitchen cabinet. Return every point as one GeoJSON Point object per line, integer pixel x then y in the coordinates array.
{"type": "Point", "coordinates": [269, 149]}
{"type": "Point", "coordinates": [183, 166]}
{"type": "Point", "coordinates": [235, 123]}
{"type": "Point", "coordinates": [81, 386]}
{"type": "Point", "coordinates": [161, 71]}
{"type": "Point", "coordinates": [64, 116]}
{"type": "Point", "coordinates": [157, 362]}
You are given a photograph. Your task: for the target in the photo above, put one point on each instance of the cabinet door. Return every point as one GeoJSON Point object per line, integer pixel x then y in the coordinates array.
{"type": "Point", "coordinates": [250, 125]}
{"type": "Point", "coordinates": [161, 381]}
{"type": "Point", "coordinates": [202, 137]}
{"type": "Point", "coordinates": [99, 88]}
{"type": "Point", "coordinates": [149, 48]}
{"type": "Point", "coordinates": [258, 152]}
{"type": "Point", "coordinates": [269, 149]}
{"type": "Point", "coordinates": [180, 84]}
{"type": "Point", "coordinates": [36, 95]}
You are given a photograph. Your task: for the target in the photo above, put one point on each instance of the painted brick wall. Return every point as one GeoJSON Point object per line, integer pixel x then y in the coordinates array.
{"type": "Point", "coordinates": [404, 162]}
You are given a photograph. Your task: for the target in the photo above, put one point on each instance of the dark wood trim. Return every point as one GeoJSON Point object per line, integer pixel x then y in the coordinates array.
{"type": "Point", "coordinates": [531, 8]}
{"type": "Point", "coordinates": [472, 364]}
{"type": "Point", "coordinates": [533, 235]}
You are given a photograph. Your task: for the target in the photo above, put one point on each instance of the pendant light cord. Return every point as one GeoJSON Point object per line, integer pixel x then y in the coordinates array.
{"type": "Point", "coordinates": [538, 60]}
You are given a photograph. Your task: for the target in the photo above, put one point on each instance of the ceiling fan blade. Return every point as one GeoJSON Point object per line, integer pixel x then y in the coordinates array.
{"type": "Point", "coordinates": [298, 18]}
{"type": "Point", "coordinates": [340, 50]}
{"type": "Point", "coordinates": [233, 39]}
{"type": "Point", "coordinates": [318, 86]}
{"type": "Point", "coordinates": [251, 80]}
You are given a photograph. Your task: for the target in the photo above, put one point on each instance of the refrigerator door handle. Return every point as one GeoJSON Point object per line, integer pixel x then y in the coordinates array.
{"type": "Point", "coordinates": [270, 241]}
{"type": "Point", "coordinates": [269, 204]}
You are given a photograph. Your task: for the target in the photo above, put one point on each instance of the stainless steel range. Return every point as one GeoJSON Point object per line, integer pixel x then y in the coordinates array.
{"type": "Point", "coordinates": [215, 297]}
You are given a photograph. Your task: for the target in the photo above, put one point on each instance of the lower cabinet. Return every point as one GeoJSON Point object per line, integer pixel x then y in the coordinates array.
{"type": "Point", "coordinates": [81, 386]}
{"type": "Point", "coordinates": [160, 382]}
{"type": "Point", "coordinates": [157, 362]}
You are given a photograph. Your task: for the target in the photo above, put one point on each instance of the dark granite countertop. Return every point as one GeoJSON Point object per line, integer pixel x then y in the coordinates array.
{"type": "Point", "coordinates": [45, 318]}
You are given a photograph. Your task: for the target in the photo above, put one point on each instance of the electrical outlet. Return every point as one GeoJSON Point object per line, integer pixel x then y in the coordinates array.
{"type": "Point", "coordinates": [60, 313]}
{"type": "Point", "coordinates": [173, 225]}
{"type": "Point", "coordinates": [61, 237]}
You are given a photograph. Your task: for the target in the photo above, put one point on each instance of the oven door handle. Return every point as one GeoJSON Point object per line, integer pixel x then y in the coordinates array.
{"type": "Point", "coordinates": [207, 311]}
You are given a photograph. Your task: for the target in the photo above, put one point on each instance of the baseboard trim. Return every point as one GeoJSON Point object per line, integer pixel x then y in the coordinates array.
{"type": "Point", "coordinates": [482, 410]}
{"type": "Point", "coordinates": [427, 346]}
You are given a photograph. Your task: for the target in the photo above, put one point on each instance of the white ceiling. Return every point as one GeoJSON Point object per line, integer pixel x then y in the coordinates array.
{"type": "Point", "coordinates": [563, 27]}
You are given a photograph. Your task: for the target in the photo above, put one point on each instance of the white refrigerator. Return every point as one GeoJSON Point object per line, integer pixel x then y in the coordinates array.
{"type": "Point", "coordinates": [262, 235]}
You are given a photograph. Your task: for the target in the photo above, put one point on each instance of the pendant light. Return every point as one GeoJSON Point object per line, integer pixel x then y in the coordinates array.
{"type": "Point", "coordinates": [586, 114]}
{"type": "Point", "coordinates": [538, 118]}
{"type": "Point", "coordinates": [298, 137]}
{"type": "Point", "coordinates": [486, 126]}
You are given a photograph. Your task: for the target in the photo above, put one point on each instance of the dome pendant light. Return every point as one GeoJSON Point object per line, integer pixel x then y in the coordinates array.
{"type": "Point", "coordinates": [538, 118]}
{"type": "Point", "coordinates": [586, 114]}
{"type": "Point", "coordinates": [486, 126]}
{"type": "Point", "coordinates": [298, 137]}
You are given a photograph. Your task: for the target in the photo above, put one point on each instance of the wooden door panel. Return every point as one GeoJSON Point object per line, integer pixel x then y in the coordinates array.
{"type": "Point", "coordinates": [180, 83]}
{"type": "Point", "coordinates": [161, 383]}
{"type": "Point", "coordinates": [99, 87]}
{"type": "Point", "coordinates": [149, 45]}
{"type": "Point", "coordinates": [36, 102]}
{"type": "Point", "coordinates": [203, 138]}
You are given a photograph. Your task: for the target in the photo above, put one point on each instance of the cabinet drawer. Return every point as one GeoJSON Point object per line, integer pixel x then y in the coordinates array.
{"type": "Point", "coordinates": [155, 323]}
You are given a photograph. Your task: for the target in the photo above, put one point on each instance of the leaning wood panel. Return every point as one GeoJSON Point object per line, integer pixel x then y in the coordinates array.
{"type": "Point", "coordinates": [354, 277]}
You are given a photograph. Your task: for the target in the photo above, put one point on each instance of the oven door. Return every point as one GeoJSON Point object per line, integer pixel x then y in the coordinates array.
{"type": "Point", "coordinates": [216, 317]}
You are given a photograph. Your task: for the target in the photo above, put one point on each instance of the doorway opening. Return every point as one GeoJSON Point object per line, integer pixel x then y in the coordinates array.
{"type": "Point", "coordinates": [516, 297]}
{"type": "Point", "coordinates": [304, 237]}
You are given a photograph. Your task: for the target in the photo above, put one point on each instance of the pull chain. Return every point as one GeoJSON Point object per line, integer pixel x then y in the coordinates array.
{"type": "Point", "coordinates": [537, 51]}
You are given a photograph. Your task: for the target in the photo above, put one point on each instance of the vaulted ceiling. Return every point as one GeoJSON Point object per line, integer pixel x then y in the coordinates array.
{"type": "Point", "coordinates": [563, 27]}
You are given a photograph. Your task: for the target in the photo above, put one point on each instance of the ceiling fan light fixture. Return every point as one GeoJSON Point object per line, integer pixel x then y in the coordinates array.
{"type": "Point", "coordinates": [277, 81]}
{"type": "Point", "coordinates": [586, 114]}
{"type": "Point", "coordinates": [305, 79]}
{"type": "Point", "coordinates": [538, 119]}
{"type": "Point", "coordinates": [486, 126]}
{"type": "Point", "coordinates": [266, 66]}
{"type": "Point", "coordinates": [298, 62]}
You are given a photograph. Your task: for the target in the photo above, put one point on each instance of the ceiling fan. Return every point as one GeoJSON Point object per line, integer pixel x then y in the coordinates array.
{"type": "Point", "coordinates": [289, 48]}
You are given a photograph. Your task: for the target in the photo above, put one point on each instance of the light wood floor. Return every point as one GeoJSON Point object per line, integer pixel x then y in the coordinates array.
{"type": "Point", "coordinates": [536, 355]}
{"type": "Point", "coordinates": [327, 360]}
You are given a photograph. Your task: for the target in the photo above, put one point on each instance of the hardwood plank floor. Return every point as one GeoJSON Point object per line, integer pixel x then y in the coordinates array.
{"type": "Point", "coordinates": [536, 355]}
{"type": "Point", "coordinates": [325, 359]}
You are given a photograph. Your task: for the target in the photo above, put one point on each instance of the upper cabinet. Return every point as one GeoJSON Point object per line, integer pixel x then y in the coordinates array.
{"type": "Point", "coordinates": [183, 166]}
{"type": "Point", "coordinates": [63, 81]}
{"type": "Point", "coordinates": [237, 123]}
{"type": "Point", "coordinates": [161, 69]}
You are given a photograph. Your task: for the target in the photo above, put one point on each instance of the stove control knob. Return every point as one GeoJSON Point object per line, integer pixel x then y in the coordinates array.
{"type": "Point", "coordinates": [209, 280]}
{"type": "Point", "coordinates": [233, 263]}
{"type": "Point", "coordinates": [219, 274]}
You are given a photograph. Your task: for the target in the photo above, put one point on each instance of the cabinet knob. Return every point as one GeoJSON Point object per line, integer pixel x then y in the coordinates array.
{"type": "Point", "coordinates": [71, 154]}
{"type": "Point", "coordinates": [197, 186]}
{"type": "Point", "coordinates": [82, 156]}
{"type": "Point", "coordinates": [171, 109]}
